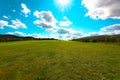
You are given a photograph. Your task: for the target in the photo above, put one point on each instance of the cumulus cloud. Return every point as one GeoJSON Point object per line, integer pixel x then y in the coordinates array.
{"type": "Point", "coordinates": [107, 33]}
{"type": "Point", "coordinates": [15, 33]}
{"type": "Point", "coordinates": [35, 35]}
{"type": "Point", "coordinates": [108, 30]}
{"type": "Point", "coordinates": [63, 31]}
{"type": "Point", "coordinates": [12, 26]}
{"type": "Point", "coordinates": [46, 16]}
{"type": "Point", "coordinates": [93, 33]}
{"type": "Point", "coordinates": [102, 9]}
{"type": "Point", "coordinates": [46, 20]}
{"type": "Point", "coordinates": [25, 10]}
{"type": "Point", "coordinates": [66, 22]}
{"type": "Point", "coordinates": [104, 33]}
{"type": "Point", "coordinates": [3, 24]}
{"type": "Point", "coordinates": [68, 33]}
{"type": "Point", "coordinates": [77, 33]}
{"type": "Point", "coordinates": [43, 24]}
{"type": "Point", "coordinates": [53, 36]}
{"type": "Point", "coordinates": [117, 32]}
{"type": "Point", "coordinates": [17, 24]}
{"type": "Point", "coordinates": [111, 27]}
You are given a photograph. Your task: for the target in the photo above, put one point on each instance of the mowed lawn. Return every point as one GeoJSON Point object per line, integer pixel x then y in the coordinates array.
{"type": "Point", "coordinates": [59, 60]}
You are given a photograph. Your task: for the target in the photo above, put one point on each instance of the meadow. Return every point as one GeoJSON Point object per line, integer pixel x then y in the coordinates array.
{"type": "Point", "coordinates": [59, 60]}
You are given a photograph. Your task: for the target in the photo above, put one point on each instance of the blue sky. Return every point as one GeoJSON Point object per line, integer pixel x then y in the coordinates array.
{"type": "Point", "coordinates": [62, 19]}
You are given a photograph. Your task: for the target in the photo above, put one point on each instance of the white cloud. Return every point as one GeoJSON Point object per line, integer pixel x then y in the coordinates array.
{"type": "Point", "coordinates": [97, 33]}
{"type": "Point", "coordinates": [46, 16]}
{"type": "Point", "coordinates": [93, 34]}
{"type": "Point", "coordinates": [18, 24]}
{"type": "Point", "coordinates": [102, 9]}
{"type": "Point", "coordinates": [65, 18]}
{"type": "Point", "coordinates": [26, 35]}
{"type": "Point", "coordinates": [77, 33]}
{"type": "Point", "coordinates": [46, 20]}
{"type": "Point", "coordinates": [6, 17]}
{"type": "Point", "coordinates": [43, 24]}
{"type": "Point", "coordinates": [25, 10]}
{"type": "Point", "coordinates": [117, 32]}
{"type": "Point", "coordinates": [63, 31]}
{"type": "Point", "coordinates": [15, 24]}
{"type": "Point", "coordinates": [68, 33]}
{"type": "Point", "coordinates": [12, 26]}
{"type": "Point", "coordinates": [66, 22]}
{"type": "Point", "coordinates": [16, 33]}
{"type": "Point", "coordinates": [35, 35]}
{"type": "Point", "coordinates": [55, 36]}
{"type": "Point", "coordinates": [111, 27]}
{"type": "Point", "coordinates": [3, 24]}
{"type": "Point", "coordinates": [108, 30]}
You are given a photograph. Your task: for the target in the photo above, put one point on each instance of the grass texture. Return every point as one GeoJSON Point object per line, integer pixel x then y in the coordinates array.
{"type": "Point", "coordinates": [59, 60]}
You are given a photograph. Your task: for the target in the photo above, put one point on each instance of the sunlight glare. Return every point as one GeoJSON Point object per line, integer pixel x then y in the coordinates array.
{"type": "Point", "coordinates": [63, 4]}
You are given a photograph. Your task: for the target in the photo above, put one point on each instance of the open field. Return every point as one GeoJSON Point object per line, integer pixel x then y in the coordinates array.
{"type": "Point", "coordinates": [59, 60]}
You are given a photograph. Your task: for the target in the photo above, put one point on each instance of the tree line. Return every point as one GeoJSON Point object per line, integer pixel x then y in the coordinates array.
{"type": "Point", "coordinates": [111, 38]}
{"type": "Point", "coordinates": [7, 38]}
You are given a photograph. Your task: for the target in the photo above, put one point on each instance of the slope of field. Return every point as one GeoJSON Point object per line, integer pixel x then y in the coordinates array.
{"type": "Point", "coordinates": [100, 38]}
{"type": "Point", "coordinates": [59, 60]}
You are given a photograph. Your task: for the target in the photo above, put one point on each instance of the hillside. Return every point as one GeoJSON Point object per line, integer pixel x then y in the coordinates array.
{"type": "Point", "coordinates": [102, 38]}
{"type": "Point", "coordinates": [7, 38]}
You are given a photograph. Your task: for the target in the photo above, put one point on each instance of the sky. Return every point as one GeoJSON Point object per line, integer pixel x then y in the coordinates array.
{"type": "Point", "coordinates": [60, 19]}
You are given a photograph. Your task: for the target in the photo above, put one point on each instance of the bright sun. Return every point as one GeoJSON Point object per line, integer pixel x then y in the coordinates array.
{"type": "Point", "coordinates": [63, 4]}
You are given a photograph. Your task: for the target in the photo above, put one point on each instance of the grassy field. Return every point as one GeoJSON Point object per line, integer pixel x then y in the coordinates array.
{"type": "Point", "coordinates": [59, 60]}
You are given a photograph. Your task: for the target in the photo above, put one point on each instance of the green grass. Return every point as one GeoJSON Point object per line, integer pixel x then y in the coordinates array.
{"type": "Point", "coordinates": [59, 60]}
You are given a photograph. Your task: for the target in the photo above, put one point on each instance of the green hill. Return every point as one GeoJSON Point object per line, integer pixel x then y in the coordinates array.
{"type": "Point", "coordinates": [7, 38]}
{"type": "Point", "coordinates": [102, 38]}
